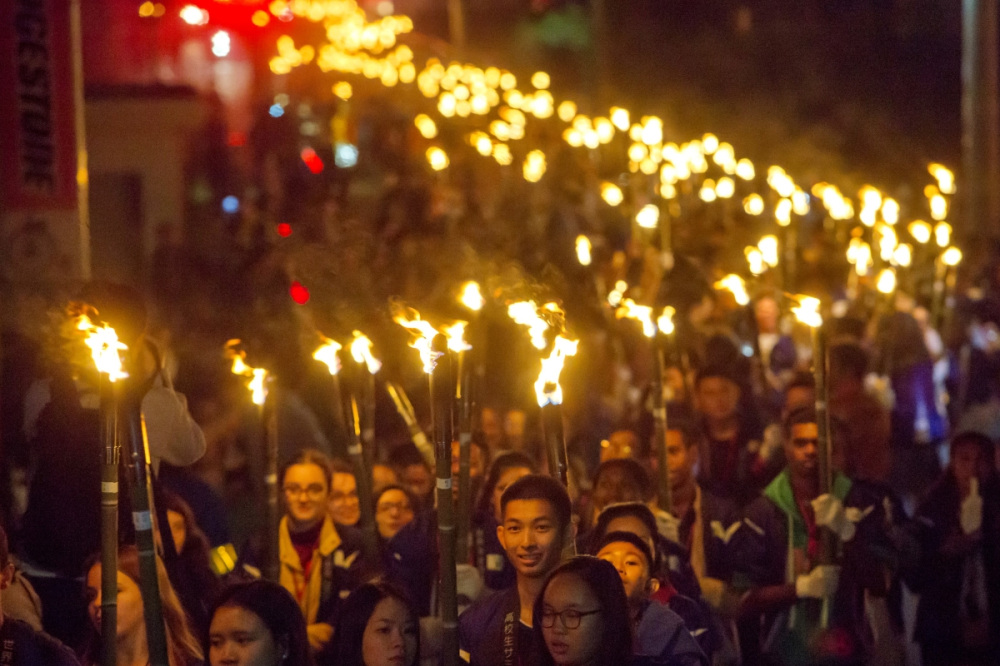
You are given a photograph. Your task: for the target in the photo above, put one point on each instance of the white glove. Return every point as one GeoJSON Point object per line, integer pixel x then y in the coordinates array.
{"type": "Point", "coordinates": [972, 509]}
{"type": "Point", "coordinates": [830, 513]}
{"type": "Point", "coordinates": [668, 526]}
{"type": "Point", "coordinates": [771, 443]}
{"type": "Point", "coordinates": [470, 582]}
{"type": "Point", "coordinates": [820, 583]}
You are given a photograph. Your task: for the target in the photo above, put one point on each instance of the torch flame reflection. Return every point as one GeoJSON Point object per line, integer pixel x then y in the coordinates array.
{"type": "Point", "coordinates": [361, 350]}
{"type": "Point", "coordinates": [105, 348]}
{"type": "Point", "coordinates": [325, 353]}
{"type": "Point", "coordinates": [547, 388]}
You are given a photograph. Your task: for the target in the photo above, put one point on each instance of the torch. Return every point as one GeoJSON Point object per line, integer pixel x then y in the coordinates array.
{"type": "Point", "coordinates": [437, 365]}
{"type": "Point", "coordinates": [269, 423]}
{"type": "Point", "coordinates": [142, 519]}
{"type": "Point", "coordinates": [807, 312]}
{"type": "Point", "coordinates": [549, 393]}
{"type": "Point", "coordinates": [361, 351]}
{"type": "Point", "coordinates": [463, 401]}
{"type": "Point", "coordinates": [405, 409]}
{"type": "Point", "coordinates": [327, 354]}
{"type": "Point", "coordinates": [105, 349]}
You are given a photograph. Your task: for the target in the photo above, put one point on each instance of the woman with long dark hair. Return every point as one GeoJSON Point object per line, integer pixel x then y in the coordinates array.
{"type": "Point", "coordinates": [257, 624]}
{"type": "Point", "coordinates": [378, 626]}
{"type": "Point", "coordinates": [182, 646]}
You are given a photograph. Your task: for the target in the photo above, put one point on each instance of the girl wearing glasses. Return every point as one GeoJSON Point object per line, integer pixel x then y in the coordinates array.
{"type": "Point", "coordinates": [319, 565]}
{"type": "Point", "coordinates": [407, 548]}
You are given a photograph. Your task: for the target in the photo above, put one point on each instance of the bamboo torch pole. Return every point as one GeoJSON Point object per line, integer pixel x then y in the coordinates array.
{"type": "Point", "coordinates": [463, 404]}
{"type": "Point", "coordinates": [369, 538]}
{"type": "Point", "coordinates": [442, 399]}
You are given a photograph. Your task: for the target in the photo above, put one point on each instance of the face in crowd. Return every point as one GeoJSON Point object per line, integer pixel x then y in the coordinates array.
{"type": "Point", "coordinates": [508, 477]}
{"type": "Point", "coordinates": [801, 451]}
{"type": "Point", "coordinates": [390, 637]}
{"type": "Point", "coordinates": [345, 509]}
{"type": "Point", "coordinates": [178, 529]}
{"type": "Point", "coordinates": [130, 609]}
{"type": "Point", "coordinates": [531, 536]}
{"type": "Point", "coordinates": [717, 398]}
{"type": "Point", "coordinates": [681, 459]}
{"type": "Point", "coordinates": [418, 479]}
{"type": "Point", "coordinates": [632, 566]}
{"type": "Point", "coordinates": [239, 637]}
{"type": "Point", "coordinates": [307, 495]}
{"type": "Point", "coordinates": [571, 621]}
{"type": "Point", "coordinates": [633, 525]}
{"type": "Point", "coordinates": [393, 512]}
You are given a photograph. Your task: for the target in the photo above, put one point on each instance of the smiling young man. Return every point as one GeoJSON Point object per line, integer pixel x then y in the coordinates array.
{"type": "Point", "coordinates": [535, 524]}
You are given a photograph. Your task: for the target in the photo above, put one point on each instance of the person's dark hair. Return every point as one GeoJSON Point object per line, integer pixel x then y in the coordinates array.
{"type": "Point", "coordinates": [539, 487]}
{"type": "Point", "coordinates": [849, 359]}
{"type": "Point", "coordinates": [802, 379]}
{"type": "Point", "coordinates": [683, 422]}
{"type": "Point", "coordinates": [414, 501]}
{"type": "Point", "coordinates": [405, 455]}
{"type": "Point", "coordinates": [804, 414]}
{"type": "Point", "coordinates": [277, 610]}
{"type": "Point", "coordinates": [605, 583]}
{"type": "Point", "coordinates": [341, 466]}
{"type": "Point", "coordinates": [626, 537]}
{"type": "Point", "coordinates": [354, 615]}
{"type": "Point", "coordinates": [633, 473]}
{"type": "Point", "coordinates": [636, 510]}
{"type": "Point", "coordinates": [977, 439]}
{"type": "Point", "coordinates": [193, 577]}
{"type": "Point", "coordinates": [312, 457]}
{"type": "Point", "coordinates": [714, 370]}
{"type": "Point", "coordinates": [503, 462]}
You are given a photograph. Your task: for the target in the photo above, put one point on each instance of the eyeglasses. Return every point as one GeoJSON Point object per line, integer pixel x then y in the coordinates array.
{"type": "Point", "coordinates": [313, 491]}
{"type": "Point", "coordinates": [344, 497]}
{"type": "Point", "coordinates": [386, 507]}
{"type": "Point", "coordinates": [570, 617]}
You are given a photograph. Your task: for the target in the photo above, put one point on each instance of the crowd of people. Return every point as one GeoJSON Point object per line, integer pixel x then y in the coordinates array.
{"type": "Point", "coordinates": [738, 552]}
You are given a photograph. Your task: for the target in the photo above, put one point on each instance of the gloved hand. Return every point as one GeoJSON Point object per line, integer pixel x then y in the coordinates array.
{"type": "Point", "coordinates": [830, 513]}
{"type": "Point", "coordinates": [668, 526]}
{"type": "Point", "coordinates": [470, 582]}
{"type": "Point", "coordinates": [972, 509]}
{"type": "Point", "coordinates": [820, 583]}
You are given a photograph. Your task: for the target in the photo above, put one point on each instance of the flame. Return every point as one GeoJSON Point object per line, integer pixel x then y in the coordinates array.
{"type": "Point", "coordinates": [629, 309]}
{"type": "Point", "coordinates": [952, 256]}
{"type": "Point", "coordinates": [807, 311]}
{"type": "Point", "coordinates": [472, 297]}
{"type": "Point", "coordinates": [666, 320]}
{"type": "Point", "coordinates": [361, 350]}
{"type": "Point", "coordinates": [258, 376]}
{"type": "Point", "coordinates": [886, 281]}
{"type": "Point", "coordinates": [583, 250]}
{"type": "Point", "coordinates": [456, 337]}
{"type": "Point", "coordinates": [325, 353]}
{"type": "Point", "coordinates": [105, 348]}
{"type": "Point", "coordinates": [526, 314]}
{"type": "Point", "coordinates": [615, 297]}
{"type": "Point", "coordinates": [410, 318]}
{"type": "Point", "coordinates": [547, 388]}
{"type": "Point", "coordinates": [735, 284]}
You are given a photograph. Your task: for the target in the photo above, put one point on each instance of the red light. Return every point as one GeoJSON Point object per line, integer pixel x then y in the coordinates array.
{"type": "Point", "coordinates": [284, 229]}
{"type": "Point", "coordinates": [312, 160]}
{"type": "Point", "coordinates": [299, 293]}
{"type": "Point", "coordinates": [237, 139]}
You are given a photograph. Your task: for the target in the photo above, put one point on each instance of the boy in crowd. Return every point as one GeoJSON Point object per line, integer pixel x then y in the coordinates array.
{"type": "Point", "coordinates": [536, 524]}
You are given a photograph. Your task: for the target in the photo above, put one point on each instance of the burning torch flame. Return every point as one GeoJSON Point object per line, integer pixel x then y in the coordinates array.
{"type": "Point", "coordinates": [326, 353]}
{"type": "Point", "coordinates": [410, 318]}
{"type": "Point", "coordinates": [735, 284]}
{"type": "Point", "coordinates": [105, 348]}
{"type": "Point", "coordinates": [583, 250]}
{"type": "Point", "coordinates": [361, 350]}
{"type": "Point", "coordinates": [472, 297]}
{"type": "Point", "coordinates": [807, 312]}
{"type": "Point", "coordinates": [547, 388]}
{"type": "Point", "coordinates": [629, 309]}
{"type": "Point", "coordinates": [526, 314]}
{"type": "Point", "coordinates": [886, 281]}
{"type": "Point", "coordinates": [666, 320]}
{"type": "Point", "coordinates": [258, 376]}
{"type": "Point", "coordinates": [456, 337]}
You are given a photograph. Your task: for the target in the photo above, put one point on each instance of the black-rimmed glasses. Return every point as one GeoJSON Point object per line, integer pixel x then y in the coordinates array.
{"type": "Point", "coordinates": [570, 617]}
